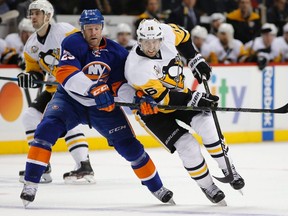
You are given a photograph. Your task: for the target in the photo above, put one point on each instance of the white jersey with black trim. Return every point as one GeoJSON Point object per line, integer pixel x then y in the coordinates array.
{"type": "Point", "coordinates": [45, 56]}
{"type": "Point", "coordinates": [155, 75]}
{"type": "Point", "coordinates": [14, 41]}
{"type": "Point", "coordinates": [280, 49]}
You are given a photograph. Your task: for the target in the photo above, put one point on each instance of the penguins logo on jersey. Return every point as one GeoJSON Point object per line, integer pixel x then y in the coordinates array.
{"type": "Point", "coordinates": [173, 74]}
{"type": "Point", "coordinates": [48, 61]}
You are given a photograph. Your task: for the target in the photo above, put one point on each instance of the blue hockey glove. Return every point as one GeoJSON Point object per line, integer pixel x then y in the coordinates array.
{"type": "Point", "coordinates": [28, 80]}
{"type": "Point", "coordinates": [147, 105]}
{"type": "Point", "coordinates": [199, 68]}
{"type": "Point", "coordinates": [201, 99]}
{"type": "Point", "coordinates": [103, 97]}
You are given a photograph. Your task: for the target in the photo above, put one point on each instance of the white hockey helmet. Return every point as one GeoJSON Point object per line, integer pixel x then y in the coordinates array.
{"type": "Point", "coordinates": [149, 29]}
{"type": "Point", "coordinates": [43, 5]}
{"type": "Point", "coordinates": [123, 28]}
{"type": "Point", "coordinates": [217, 16]}
{"type": "Point", "coordinates": [229, 31]}
{"type": "Point", "coordinates": [26, 25]}
{"type": "Point", "coordinates": [199, 31]}
{"type": "Point", "coordinates": [269, 28]}
{"type": "Point", "coordinates": [226, 28]}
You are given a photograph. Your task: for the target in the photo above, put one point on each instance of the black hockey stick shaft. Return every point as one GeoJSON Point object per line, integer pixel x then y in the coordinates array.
{"type": "Point", "coordinates": [37, 82]}
{"type": "Point", "coordinates": [281, 110]}
{"type": "Point", "coordinates": [229, 178]}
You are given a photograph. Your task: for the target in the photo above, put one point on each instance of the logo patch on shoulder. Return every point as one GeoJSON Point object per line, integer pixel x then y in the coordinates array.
{"type": "Point", "coordinates": [55, 107]}
{"type": "Point", "coordinates": [34, 49]}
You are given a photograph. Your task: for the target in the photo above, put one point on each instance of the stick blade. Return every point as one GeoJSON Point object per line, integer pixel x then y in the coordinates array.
{"type": "Point", "coordinates": [227, 179]}
{"type": "Point", "coordinates": [283, 109]}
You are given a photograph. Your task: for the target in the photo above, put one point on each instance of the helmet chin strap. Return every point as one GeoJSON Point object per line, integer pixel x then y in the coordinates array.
{"type": "Point", "coordinates": [44, 24]}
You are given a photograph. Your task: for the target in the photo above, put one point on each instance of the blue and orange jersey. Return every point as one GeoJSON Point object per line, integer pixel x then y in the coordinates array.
{"type": "Point", "coordinates": [80, 66]}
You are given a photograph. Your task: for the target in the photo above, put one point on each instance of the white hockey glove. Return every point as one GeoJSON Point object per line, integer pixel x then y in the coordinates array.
{"type": "Point", "coordinates": [201, 99]}
{"type": "Point", "coordinates": [27, 80]}
{"type": "Point", "coordinates": [199, 68]}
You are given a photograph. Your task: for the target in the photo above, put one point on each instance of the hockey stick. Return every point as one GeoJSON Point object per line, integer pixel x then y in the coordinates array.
{"type": "Point", "coordinates": [37, 82]}
{"type": "Point", "coordinates": [280, 110]}
{"type": "Point", "coordinates": [229, 178]}
{"type": "Point", "coordinates": [9, 15]}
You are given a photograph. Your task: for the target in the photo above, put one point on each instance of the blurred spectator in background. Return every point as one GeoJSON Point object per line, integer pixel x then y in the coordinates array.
{"type": "Point", "coordinates": [199, 36]}
{"type": "Point", "coordinates": [124, 36]}
{"type": "Point", "coordinates": [259, 49]}
{"type": "Point", "coordinates": [16, 41]}
{"type": "Point", "coordinates": [102, 5]}
{"type": "Point", "coordinates": [168, 5]}
{"type": "Point", "coordinates": [4, 7]}
{"type": "Point", "coordinates": [209, 7]}
{"type": "Point", "coordinates": [185, 15]}
{"type": "Point", "coordinates": [23, 9]}
{"type": "Point", "coordinates": [246, 23]}
{"type": "Point", "coordinates": [280, 46]}
{"type": "Point", "coordinates": [152, 11]}
{"type": "Point", "coordinates": [61, 7]}
{"type": "Point", "coordinates": [278, 14]}
{"type": "Point", "coordinates": [216, 19]}
{"type": "Point", "coordinates": [225, 49]}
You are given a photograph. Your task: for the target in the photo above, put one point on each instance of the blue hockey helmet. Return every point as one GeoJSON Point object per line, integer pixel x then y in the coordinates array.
{"type": "Point", "coordinates": [93, 16]}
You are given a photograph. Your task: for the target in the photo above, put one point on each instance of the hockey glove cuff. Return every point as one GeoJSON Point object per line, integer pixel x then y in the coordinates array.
{"type": "Point", "coordinates": [29, 80]}
{"type": "Point", "coordinates": [199, 68]}
{"type": "Point", "coordinates": [201, 99]}
{"type": "Point", "coordinates": [103, 97]}
{"type": "Point", "coordinates": [147, 105]}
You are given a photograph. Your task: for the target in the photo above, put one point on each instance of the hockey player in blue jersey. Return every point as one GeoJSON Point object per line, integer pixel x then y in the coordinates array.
{"type": "Point", "coordinates": [91, 74]}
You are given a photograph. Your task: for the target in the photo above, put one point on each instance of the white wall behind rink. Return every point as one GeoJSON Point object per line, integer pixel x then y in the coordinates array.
{"type": "Point", "coordinates": [237, 86]}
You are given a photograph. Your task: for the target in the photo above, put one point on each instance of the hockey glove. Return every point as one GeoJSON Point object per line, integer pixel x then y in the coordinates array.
{"type": "Point", "coordinates": [201, 99]}
{"type": "Point", "coordinates": [29, 80]}
{"type": "Point", "coordinates": [262, 60]}
{"type": "Point", "coordinates": [199, 68]}
{"type": "Point", "coordinates": [103, 97]}
{"type": "Point", "coordinates": [147, 105]}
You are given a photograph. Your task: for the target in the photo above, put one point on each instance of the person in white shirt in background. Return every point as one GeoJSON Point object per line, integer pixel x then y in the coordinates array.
{"type": "Point", "coordinates": [124, 36]}
{"type": "Point", "coordinates": [17, 40]}
{"type": "Point", "coordinates": [259, 49]}
{"type": "Point", "coordinates": [216, 19]}
{"type": "Point", "coordinates": [280, 46]}
{"type": "Point", "coordinates": [199, 38]}
{"type": "Point", "coordinates": [225, 49]}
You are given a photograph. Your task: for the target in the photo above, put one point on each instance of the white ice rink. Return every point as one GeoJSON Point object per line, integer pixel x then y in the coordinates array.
{"type": "Point", "coordinates": [118, 192]}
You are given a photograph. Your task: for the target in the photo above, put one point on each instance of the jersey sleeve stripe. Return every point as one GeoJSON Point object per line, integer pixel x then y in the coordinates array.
{"type": "Point", "coordinates": [63, 73]}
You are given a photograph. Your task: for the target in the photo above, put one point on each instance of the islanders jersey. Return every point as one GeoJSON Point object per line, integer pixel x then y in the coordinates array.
{"type": "Point", "coordinates": [42, 54]}
{"type": "Point", "coordinates": [162, 74]}
{"type": "Point", "coordinates": [81, 66]}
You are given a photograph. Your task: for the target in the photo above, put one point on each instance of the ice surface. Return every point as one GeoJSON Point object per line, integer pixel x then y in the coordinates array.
{"type": "Point", "coordinates": [118, 192]}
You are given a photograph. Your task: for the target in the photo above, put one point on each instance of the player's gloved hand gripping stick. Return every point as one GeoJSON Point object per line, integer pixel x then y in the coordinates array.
{"type": "Point", "coordinates": [102, 96]}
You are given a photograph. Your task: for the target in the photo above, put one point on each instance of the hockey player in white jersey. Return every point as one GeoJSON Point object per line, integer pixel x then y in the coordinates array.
{"type": "Point", "coordinates": [18, 40]}
{"type": "Point", "coordinates": [226, 49]}
{"type": "Point", "coordinates": [279, 47]}
{"type": "Point", "coordinates": [124, 36]}
{"type": "Point", "coordinates": [259, 49]}
{"type": "Point", "coordinates": [154, 68]}
{"type": "Point", "coordinates": [41, 54]}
